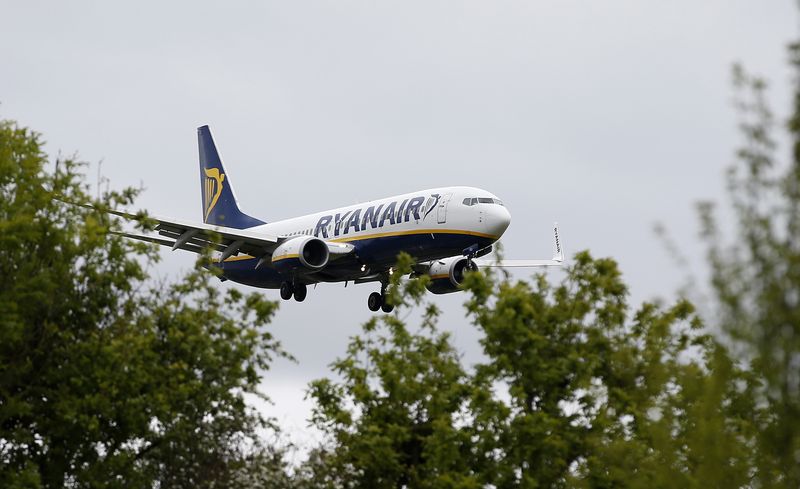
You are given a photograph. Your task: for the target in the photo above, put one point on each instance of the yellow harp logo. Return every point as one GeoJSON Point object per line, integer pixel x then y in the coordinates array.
{"type": "Point", "coordinates": [212, 189]}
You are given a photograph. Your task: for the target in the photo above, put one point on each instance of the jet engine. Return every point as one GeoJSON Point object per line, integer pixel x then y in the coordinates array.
{"type": "Point", "coordinates": [306, 253]}
{"type": "Point", "coordinates": [448, 274]}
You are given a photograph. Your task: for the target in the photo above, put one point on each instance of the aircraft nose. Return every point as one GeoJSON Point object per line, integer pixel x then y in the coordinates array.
{"type": "Point", "coordinates": [499, 219]}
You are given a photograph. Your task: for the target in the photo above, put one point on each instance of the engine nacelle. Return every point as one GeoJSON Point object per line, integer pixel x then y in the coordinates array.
{"type": "Point", "coordinates": [447, 275]}
{"type": "Point", "coordinates": [306, 253]}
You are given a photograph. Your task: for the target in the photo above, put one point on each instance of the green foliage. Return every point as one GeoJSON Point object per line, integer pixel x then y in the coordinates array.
{"type": "Point", "coordinates": [756, 277]}
{"type": "Point", "coordinates": [395, 417]}
{"type": "Point", "coordinates": [107, 379]}
{"type": "Point", "coordinates": [576, 390]}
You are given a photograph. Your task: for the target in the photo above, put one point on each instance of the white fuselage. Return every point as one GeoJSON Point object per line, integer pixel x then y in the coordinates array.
{"type": "Point", "coordinates": [428, 225]}
{"type": "Point", "coordinates": [411, 213]}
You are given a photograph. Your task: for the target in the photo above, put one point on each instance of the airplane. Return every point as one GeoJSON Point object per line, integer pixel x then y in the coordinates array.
{"type": "Point", "coordinates": [445, 229]}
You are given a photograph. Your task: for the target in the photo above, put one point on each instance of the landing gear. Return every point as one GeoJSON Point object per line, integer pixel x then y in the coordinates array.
{"type": "Point", "coordinates": [286, 291]}
{"type": "Point", "coordinates": [377, 300]}
{"type": "Point", "coordinates": [374, 301]}
{"type": "Point", "coordinates": [300, 292]}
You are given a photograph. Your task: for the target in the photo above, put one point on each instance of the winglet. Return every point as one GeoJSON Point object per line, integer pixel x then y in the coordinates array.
{"type": "Point", "coordinates": [559, 252]}
{"type": "Point", "coordinates": [556, 261]}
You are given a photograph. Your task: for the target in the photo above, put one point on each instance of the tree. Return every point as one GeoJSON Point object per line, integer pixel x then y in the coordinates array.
{"type": "Point", "coordinates": [396, 419]}
{"type": "Point", "coordinates": [107, 378]}
{"type": "Point", "coordinates": [577, 390]}
{"type": "Point", "coordinates": [599, 395]}
{"type": "Point", "coordinates": [756, 277]}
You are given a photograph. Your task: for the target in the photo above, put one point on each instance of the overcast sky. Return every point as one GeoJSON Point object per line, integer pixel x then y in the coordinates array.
{"type": "Point", "coordinates": [607, 116]}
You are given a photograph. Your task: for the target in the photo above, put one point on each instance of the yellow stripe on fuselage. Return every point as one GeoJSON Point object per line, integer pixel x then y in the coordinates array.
{"type": "Point", "coordinates": [374, 236]}
{"type": "Point", "coordinates": [408, 233]}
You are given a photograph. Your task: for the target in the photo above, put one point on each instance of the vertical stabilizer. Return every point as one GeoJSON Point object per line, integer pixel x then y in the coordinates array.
{"type": "Point", "coordinates": [219, 202]}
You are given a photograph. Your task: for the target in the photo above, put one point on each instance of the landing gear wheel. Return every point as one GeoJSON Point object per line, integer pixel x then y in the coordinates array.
{"type": "Point", "coordinates": [286, 291]}
{"type": "Point", "coordinates": [387, 308]}
{"type": "Point", "coordinates": [374, 301]}
{"type": "Point", "coordinates": [300, 292]}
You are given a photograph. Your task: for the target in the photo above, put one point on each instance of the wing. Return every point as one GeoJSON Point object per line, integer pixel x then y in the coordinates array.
{"type": "Point", "coordinates": [556, 261]}
{"type": "Point", "coordinates": [195, 237]}
{"type": "Point", "coordinates": [518, 263]}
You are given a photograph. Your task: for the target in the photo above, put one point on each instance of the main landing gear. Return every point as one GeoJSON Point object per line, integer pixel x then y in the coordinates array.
{"type": "Point", "coordinates": [377, 300]}
{"type": "Point", "coordinates": [288, 290]}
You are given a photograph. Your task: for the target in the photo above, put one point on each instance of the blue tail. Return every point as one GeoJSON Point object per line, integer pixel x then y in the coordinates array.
{"type": "Point", "coordinates": [219, 203]}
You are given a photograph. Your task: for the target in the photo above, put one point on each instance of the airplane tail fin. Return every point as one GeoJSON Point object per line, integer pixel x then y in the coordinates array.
{"type": "Point", "coordinates": [220, 206]}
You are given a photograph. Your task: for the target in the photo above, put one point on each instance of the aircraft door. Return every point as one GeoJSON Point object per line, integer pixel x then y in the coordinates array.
{"type": "Point", "coordinates": [441, 212]}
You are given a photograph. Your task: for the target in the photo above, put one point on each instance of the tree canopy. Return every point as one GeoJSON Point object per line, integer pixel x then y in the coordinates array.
{"type": "Point", "coordinates": [108, 378]}
{"type": "Point", "coordinates": [581, 389]}
{"type": "Point", "coordinates": [111, 379]}
{"type": "Point", "coordinates": [577, 390]}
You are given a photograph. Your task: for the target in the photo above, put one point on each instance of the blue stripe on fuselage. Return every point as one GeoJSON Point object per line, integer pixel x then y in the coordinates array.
{"type": "Point", "coordinates": [377, 252]}
{"type": "Point", "coordinates": [383, 250]}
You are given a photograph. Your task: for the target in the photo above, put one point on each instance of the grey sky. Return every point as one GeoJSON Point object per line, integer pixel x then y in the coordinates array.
{"type": "Point", "coordinates": [604, 115]}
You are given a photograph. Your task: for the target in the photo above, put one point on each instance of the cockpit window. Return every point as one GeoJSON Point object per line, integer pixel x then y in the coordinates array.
{"type": "Point", "coordinates": [481, 200]}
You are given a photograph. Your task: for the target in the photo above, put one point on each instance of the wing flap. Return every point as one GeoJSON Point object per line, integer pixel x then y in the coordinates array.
{"type": "Point", "coordinates": [195, 237]}
{"type": "Point", "coordinates": [161, 241]}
